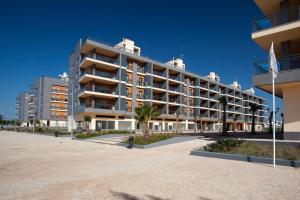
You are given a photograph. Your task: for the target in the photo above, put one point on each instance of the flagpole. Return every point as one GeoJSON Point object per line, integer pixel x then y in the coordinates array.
{"type": "Point", "coordinates": [274, 138]}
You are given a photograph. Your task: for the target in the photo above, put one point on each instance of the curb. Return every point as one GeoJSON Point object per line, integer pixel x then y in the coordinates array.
{"type": "Point", "coordinates": [252, 159]}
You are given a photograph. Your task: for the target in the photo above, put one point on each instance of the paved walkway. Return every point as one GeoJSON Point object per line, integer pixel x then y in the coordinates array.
{"type": "Point", "coordinates": [44, 167]}
{"type": "Point", "coordinates": [112, 139]}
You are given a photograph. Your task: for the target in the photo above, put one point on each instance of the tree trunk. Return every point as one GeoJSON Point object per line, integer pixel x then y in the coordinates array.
{"type": "Point", "coordinates": [87, 127]}
{"type": "Point", "coordinates": [146, 131]}
{"type": "Point", "coordinates": [224, 131]}
{"type": "Point", "coordinates": [253, 124]}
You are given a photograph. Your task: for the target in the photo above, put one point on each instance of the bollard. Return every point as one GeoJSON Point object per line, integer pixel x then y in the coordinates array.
{"type": "Point", "coordinates": [130, 142]}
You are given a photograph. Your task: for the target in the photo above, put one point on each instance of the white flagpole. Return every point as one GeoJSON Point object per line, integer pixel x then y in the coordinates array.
{"type": "Point", "coordinates": [274, 138]}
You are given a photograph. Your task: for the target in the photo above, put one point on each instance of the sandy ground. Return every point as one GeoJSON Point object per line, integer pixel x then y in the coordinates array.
{"type": "Point", "coordinates": [44, 167]}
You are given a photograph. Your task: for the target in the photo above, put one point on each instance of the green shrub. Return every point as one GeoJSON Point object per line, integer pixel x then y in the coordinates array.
{"type": "Point", "coordinates": [140, 139]}
{"type": "Point", "coordinates": [223, 145]}
{"type": "Point", "coordinates": [99, 133]}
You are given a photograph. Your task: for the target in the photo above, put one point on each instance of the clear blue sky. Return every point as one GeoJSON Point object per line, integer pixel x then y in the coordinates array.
{"type": "Point", "coordinates": [37, 37]}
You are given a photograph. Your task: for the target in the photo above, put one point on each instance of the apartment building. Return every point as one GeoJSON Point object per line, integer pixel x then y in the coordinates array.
{"type": "Point", "coordinates": [47, 102]}
{"type": "Point", "coordinates": [51, 101]}
{"type": "Point", "coordinates": [281, 25]}
{"type": "Point", "coordinates": [109, 82]}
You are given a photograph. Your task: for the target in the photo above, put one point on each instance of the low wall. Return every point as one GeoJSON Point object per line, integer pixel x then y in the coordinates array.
{"type": "Point", "coordinates": [253, 159]}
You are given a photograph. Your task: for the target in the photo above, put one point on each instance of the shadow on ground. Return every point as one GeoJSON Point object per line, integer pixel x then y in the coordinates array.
{"type": "Point", "coordinates": [126, 196]}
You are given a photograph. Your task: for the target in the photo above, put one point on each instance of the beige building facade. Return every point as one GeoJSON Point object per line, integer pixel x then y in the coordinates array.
{"type": "Point", "coordinates": [281, 25]}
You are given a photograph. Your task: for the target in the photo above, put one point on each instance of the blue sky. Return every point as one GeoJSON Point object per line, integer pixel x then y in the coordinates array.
{"type": "Point", "coordinates": [37, 37]}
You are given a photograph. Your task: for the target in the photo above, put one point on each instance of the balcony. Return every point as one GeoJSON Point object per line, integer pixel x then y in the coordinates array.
{"type": "Point", "coordinates": [285, 63]}
{"type": "Point", "coordinates": [141, 69]}
{"type": "Point", "coordinates": [100, 58]}
{"type": "Point", "coordinates": [100, 75]}
{"type": "Point", "coordinates": [174, 100]}
{"type": "Point", "coordinates": [140, 96]}
{"type": "Point", "coordinates": [214, 97]}
{"type": "Point", "coordinates": [173, 112]}
{"type": "Point", "coordinates": [109, 92]}
{"type": "Point", "coordinates": [159, 98]}
{"type": "Point", "coordinates": [204, 95]}
{"type": "Point", "coordinates": [59, 108]}
{"type": "Point", "coordinates": [100, 105]}
{"type": "Point", "coordinates": [141, 83]}
{"type": "Point", "coordinates": [60, 91]}
{"type": "Point", "coordinates": [214, 106]}
{"type": "Point", "coordinates": [159, 86]}
{"type": "Point", "coordinates": [159, 73]}
{"type": "Point", "coordinates": [174, 89]}
{"type": "Point", "coordinates": [280, 18]}
{"type": "Point", "coordinates": [288, 71]}
{"type": "Point", "coordinates": [174, 77]}
{"type": "Point", "coordinates": [59, 99]}
{"type": "Point", "coordinates": [204, 85]}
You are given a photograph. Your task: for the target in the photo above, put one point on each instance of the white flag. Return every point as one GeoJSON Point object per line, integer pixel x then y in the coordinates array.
{"type": "Point", "coordinates": [273, 62]}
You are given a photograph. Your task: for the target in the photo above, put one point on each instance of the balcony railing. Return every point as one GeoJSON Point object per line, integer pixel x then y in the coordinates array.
{"type": "Point", "coordinates": [100, 57]}
{"type": "Point", "coordinates": [141, 69]}
{"type": "Point", "coordinates": [100, 90]}
{"type": "Point", "coordinates": [59, 108]}
{"type": "Point", "coordinates": [204, 85]}
{"type": "Point", "coordinates": [140, 96]}
{"type": "Point", "coordinates": [173, 112]}
{"type": "Point", "coordinates": [174, 77]}
{"type": "Point", "coordinates": [174, 89]}
{"type": "Point", "coordinates": [284, 64]}
{"type": "Point", "coordinates": [204, 105]}
{"type": "Point", "coordinates": [59, 99]}
{"type": "Point", "coordinates": [283, 17]}
{"type": "Point", "coordinates": [59, 91]}
{"type": "Point", "coordinates": [159, 73]}
{"type": "Point", "coordinates": [141, 83]}
{"type": "Point", "coordinates": [205, 95]}
{"type": "Point", "coordinates": [157, 85]}
{"type": "Point", "coordinates": [99, 105]}
{"type": "Point", "coordinates": [174, 100]}
{"type": "Point", "coordinates": [159, 98]}
{"type": "Point", "coordinates": [114, 76]}
{"type": "Point", "coordinates": [215, 97]}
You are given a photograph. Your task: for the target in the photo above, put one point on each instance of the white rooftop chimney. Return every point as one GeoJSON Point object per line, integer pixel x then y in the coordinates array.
{"type": "Point", "coordinates": [178, 63]}
{"type": "Point", "coordinates": [128, 45]}
{"type": "Point", "coordinates": [64, 76]}
{"type": "Point", "coordinates": [236, 85]}
{"type": "Point", "coordinates": [250, 91]}
{"type": "Point", "coordinates": [213, 76]}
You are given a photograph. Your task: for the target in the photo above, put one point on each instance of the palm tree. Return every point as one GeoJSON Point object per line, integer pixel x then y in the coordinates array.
{"type": "Point", "coordinates": [200, 120]}
{"type": "Point", "coordinates": [195, 122]}
{"type": "Point", "coordinates": [1, 118]}
{"type": "Point", "coordinates": [270, 123]}
{"type": "Point", "coordinates": [282, 123]}
{"type": "Point", "coordinates": [246, 121]}
{"type": "Point", "coordinates": [253, 108]}
{"type": "Point", "coordinates": [177, 123]}
{"type": "Point", "coordinates": [87, 119]}
{"type": "Point", "coordinates": [223, 102]}
{"type": "Point", "coordinates": [144, 114]}
{"type": "Point", "coordinates": [235, 118]}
